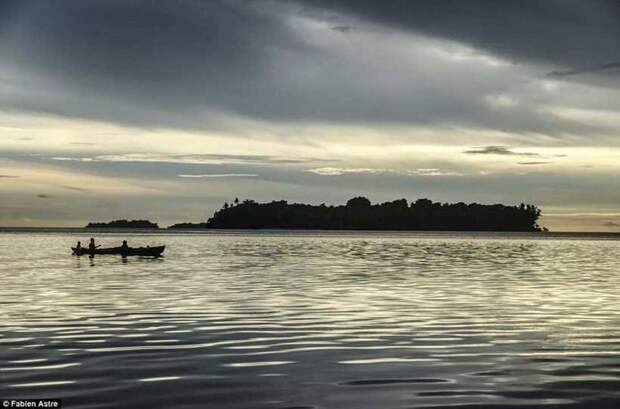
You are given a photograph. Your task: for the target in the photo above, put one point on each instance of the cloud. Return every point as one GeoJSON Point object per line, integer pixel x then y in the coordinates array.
{"type": "Point", "coordinates": [532, 163]}
{"type": "Point", "coordinates": [166, 60]}
{"type": "Point", "coordinates": [42, 196]}
{"type": "Point", "coordinates": [74, 188]}
{"type": "Point", "coordinates": [214, 159]}
{"type": "Point", "coordinates": [327, 171]}
{"type": "Point", "coordinates": [72, 159]}
{"type": "Point", "coordinates": [8, 177]}
{"type": "Point", "coordinates": [611, 224]}
{"type": "Point", "coordinates": [497, 150]}
{"type": "Point", "coordinates": [434, 172]}
{"type": "Point", "coordinates": [556, 33]}
{"type": "Point", "coordinates": [196, 64]}
{"type": "Point", "coordinates": [66, 181]}
{"type": "Point", "coordinates": [501, 101]}
{"type": "Point", "coordinates": [578, 71]}
{"type": "Point", "coordinates": [342, 29]}
{"type": "Point", "coordinates": [221, 175]}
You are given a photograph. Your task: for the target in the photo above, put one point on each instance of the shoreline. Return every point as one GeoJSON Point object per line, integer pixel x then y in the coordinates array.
{"type": "Point", "coordinates": [315, 232]}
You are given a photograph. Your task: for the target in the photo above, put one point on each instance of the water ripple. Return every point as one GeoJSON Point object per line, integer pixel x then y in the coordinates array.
{"type": "Point", "coordinates": [265, 320]}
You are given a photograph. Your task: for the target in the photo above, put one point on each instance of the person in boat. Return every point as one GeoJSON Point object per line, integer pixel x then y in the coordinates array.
{"type": "Point", "coordinates": [92, 246]}
{"type": "Point", "coordinates": [78, 247]}
{"type": "Point", "coordinates": [124, 248]}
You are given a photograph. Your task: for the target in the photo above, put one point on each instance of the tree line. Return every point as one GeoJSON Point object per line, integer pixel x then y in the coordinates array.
{"type": "Point", "coordinates": [360, 214]}
{"type": "Point", "coordinates": [123, 224]}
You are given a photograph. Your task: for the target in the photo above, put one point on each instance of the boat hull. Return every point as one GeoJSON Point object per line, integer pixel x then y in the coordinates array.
{"type": "Point", "coordinates": [131, 251]}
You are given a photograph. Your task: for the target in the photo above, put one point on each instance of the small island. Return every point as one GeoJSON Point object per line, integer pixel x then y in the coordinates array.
{"type": "Point", "coordinates": [123, 224]}
{"type": "Point", "coordinates": [360, 214]}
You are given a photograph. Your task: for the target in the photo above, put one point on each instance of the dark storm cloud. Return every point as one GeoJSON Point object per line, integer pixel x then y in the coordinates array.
{"type": "Point", "coordinates": [564, 33]}
{"type": "Point", "coordinates": [497, 150]}
{"type": "Point", "coordinates": [181, 63]}
{"type": "Point", "coordinates": [174, 57]}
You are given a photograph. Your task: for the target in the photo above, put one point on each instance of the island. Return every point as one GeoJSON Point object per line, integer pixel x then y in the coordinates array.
{"type": "Point", "coordinates": [123, 224]}
{"type": "Point", "coordinates": [360, 214]}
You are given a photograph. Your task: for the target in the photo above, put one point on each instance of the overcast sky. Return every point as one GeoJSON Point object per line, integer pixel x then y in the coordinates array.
{"type": "Point", "coordinates": [164, 110]}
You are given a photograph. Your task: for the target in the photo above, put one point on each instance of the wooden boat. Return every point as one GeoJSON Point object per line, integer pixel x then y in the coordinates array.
{"type": "Point", "coordinates": [131, 251]}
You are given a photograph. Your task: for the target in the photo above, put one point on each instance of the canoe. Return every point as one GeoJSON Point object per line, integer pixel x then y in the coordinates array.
{"type": "Point", "coordinates": [131, 251]}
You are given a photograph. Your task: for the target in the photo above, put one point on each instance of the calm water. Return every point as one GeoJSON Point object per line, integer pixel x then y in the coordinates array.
{"type": "Point", "coordinates": [313, 321]}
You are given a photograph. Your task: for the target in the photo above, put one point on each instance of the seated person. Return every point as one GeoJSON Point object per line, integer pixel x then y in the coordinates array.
{"type": "Point", "coordinates": [124, 247]}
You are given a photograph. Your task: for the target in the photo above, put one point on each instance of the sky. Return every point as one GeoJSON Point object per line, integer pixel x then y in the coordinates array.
{"type": "Point", "coordinates": [165, 110]}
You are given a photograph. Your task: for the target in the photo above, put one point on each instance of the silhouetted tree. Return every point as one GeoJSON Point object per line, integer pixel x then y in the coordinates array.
{"type": "Point", "coordinates": [358, 202]}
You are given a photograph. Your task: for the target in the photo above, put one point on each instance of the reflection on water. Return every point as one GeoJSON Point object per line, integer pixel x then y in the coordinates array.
{"type": "Point", "coordinates": [311, 321]}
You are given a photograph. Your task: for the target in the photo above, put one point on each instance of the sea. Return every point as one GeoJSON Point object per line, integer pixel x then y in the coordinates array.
{"type": "Point", "coordinates": [309, 320]}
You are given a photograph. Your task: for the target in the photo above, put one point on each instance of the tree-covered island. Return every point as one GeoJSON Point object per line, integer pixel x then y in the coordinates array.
{"type": "Point", "coordinates": [123, 224]}
{"type": "Point", "coordinates": [360, 214]}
